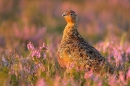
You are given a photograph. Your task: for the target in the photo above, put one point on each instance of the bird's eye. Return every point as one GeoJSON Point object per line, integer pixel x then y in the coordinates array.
{"type": "Point", "coordinates": [71, 14]}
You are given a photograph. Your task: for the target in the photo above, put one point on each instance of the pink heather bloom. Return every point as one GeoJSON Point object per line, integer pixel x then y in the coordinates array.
{"type": "Point", "coordinates": [122, 78]}
{"type": "Point", "coordinates": [44, 55]}
{"type": "Point", "coordinates": [112, 80]}
{"type": "Point", "coordinates": [88, 74]}
{"type": "Point", "coordinates": [57, 81]}
{"type": "Point", "coordinates": [43, 46]}
{"type": "Point", "coordinates": [43, 69]}
{"type": "Point", "coordinates": [71, 65]}
{"type": "Point", "coordinates": [40, 82]}
{"type": "Point", "coordinates": [100, 83]}
{"type": "Point", "coordinates": [30, 46]}
{"type": "Point", "coordinates": [117, 56]}
{"type": "Point", "coordinates": [36, 53]}
{"type": "Point", "coordinates": [33, 53]}
{"type": "Point", "coordinates": [128, 50]}
{"type": "Point", "coordinates": [128, 74]}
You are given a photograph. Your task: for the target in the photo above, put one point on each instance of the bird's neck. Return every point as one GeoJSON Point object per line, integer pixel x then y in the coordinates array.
{"type": "Point", "coordinates": [70, 29]}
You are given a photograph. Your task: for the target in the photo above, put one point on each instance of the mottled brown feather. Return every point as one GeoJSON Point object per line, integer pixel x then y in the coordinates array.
{"type": "Point", "coordinates": [74, 50]}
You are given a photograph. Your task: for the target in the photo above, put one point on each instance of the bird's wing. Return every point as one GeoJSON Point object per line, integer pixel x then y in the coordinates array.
{"type": "Point", "coordinates": [90, 57]}
{"type": "Point", "coordinates": [84, 50]}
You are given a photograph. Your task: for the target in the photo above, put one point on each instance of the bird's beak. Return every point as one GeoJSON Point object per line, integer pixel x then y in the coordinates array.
{"type": "Point", "coordinates": [64, 14]}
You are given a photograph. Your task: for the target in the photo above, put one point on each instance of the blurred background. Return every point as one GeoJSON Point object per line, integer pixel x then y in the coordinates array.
{"type": "Point", "coordinates": [40, 21]}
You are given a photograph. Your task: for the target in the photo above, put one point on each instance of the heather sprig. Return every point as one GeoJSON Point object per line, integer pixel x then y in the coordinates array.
{"type": "Point", "coordinates": [37, 52]}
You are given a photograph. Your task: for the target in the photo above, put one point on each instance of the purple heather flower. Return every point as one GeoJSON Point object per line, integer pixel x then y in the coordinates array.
{"type": "Point", "coordinates": [30, 46]}
{"type": "Point", "coordinates": [36, 53]}
{"type": "Point", "coordinates": [44, 55]}
{"type": "Point", "coordinates": [117, 56]}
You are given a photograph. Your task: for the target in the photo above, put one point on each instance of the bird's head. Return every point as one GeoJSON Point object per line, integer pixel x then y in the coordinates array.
{"type": "Point", "coordinates": [70, 16]}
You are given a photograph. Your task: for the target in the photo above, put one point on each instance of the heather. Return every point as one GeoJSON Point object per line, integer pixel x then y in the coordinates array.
{"type": "Point", "coordinates": [31, 31]}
